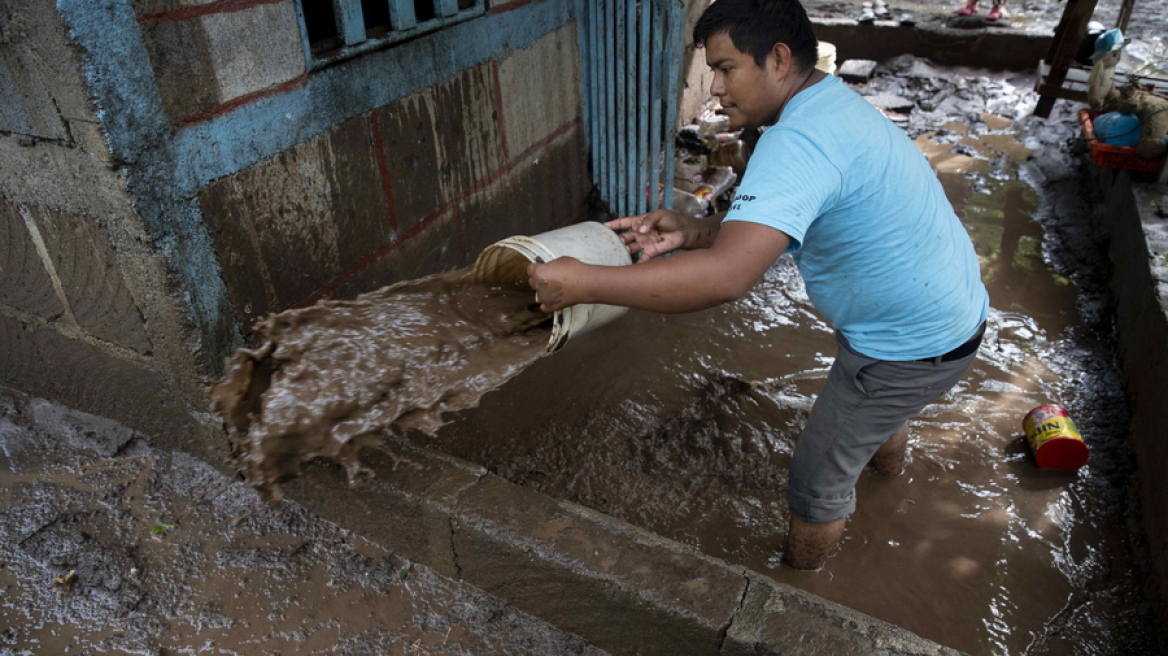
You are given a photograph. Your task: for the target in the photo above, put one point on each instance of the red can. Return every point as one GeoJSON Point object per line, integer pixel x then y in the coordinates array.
{"type": "Point", "coordinates": [1054, 439]}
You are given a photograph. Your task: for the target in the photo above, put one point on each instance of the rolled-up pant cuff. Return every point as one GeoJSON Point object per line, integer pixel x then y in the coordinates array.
{"type": "Point", "coordinates": [811, 509]}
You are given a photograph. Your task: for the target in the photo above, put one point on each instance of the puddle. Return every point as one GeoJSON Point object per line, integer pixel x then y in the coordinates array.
{"type": "Point", "coordinates": [685, 425]}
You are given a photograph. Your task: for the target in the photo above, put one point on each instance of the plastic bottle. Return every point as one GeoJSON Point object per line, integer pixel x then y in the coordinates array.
{"type": "Point", "coordinates": [718, 180]}
{"type": "Point", "coordinates": [687, 203]}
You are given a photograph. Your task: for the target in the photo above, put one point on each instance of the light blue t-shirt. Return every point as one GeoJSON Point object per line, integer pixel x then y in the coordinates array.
{"type": "Point", "coordinates": [884, 257]}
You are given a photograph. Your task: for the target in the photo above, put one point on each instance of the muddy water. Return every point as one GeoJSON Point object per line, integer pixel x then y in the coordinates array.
{"type": "Point", "coordinates": [334, 378]}
{"type": "Point", "coordinates": [685, 425]}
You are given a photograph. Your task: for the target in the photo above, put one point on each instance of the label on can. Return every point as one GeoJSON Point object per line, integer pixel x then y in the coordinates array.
{"type": "Point", "coordinates": [1048, 422]}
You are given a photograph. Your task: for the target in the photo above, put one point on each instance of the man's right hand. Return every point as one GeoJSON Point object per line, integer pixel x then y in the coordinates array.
{"type": "Point", "coordinates": [656, 233]}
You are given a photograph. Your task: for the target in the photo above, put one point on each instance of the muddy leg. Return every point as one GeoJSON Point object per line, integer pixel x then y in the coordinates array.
{"type": "Point", "coordinates": [889, 458]}
{"type": "Point", "coordinates": [809, 544]}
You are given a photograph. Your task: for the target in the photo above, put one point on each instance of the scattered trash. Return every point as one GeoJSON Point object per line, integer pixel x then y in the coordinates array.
{"type": "Point", "coordinates": [1054, 439]}
{"type": "Point", "coordinates": [866, 16]}
{"type": "Point", "coordinates": [857, 70]}
{"type": "Point", "coordinates": [733, 153]}
{"type": "Point", "coordinates": [160, 529]}
{"type": "Point", "coordinates": [890, 102]}
{"type": "Point", "coordinates": [404, 572]}
{"type": "Point", "coordinates": [64, 583]}
{"type": "Point", "coordinates": [825, 57]}
{"type": "Point", "coordinates": [717, 182]}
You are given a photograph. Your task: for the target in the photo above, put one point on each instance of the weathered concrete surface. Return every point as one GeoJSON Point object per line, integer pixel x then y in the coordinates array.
{"type": "Point", "coordinates": [619, 587]}
{"type": "Point", "coordinates": [86, 267]}
{"type": "Point", "coordinates": [38, 75]}
{"type": "Point", "coordinates": [42, 361]}
{"type": "Point", "coordinates": [204, 61]}
{"type": "Point", "coordinates": [285, 227]}
{"type": "Point", "coordinates": [1137, 214]}
{"type": "Point", "coordinates": [439, 144]}
{"type": "Point", "coordinates": [534, 106]}
{"type": "Point", "coordinates": [1000, 48]}
{"type": "Point", "coordinates": [24, 281]}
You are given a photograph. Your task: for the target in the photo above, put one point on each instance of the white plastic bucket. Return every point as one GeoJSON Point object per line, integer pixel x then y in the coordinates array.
{"type": "Point", "coordinates": [826, 57]}
{"type": "Point", "coordinates": [590, 242]}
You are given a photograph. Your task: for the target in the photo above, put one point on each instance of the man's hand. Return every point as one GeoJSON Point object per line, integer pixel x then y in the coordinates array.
{"type": "Point", "coordinates": [654, 234]}
{"type": "Point", "coordinates": [557, 284]}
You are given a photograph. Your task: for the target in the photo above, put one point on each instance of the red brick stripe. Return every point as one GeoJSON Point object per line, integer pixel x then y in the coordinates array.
{"type": "Point", "coordinates": [187, 13]}
{"type": "Point", "coordinates": [219, 110]}
{"type": "Point", "coordinates": [383, 168]}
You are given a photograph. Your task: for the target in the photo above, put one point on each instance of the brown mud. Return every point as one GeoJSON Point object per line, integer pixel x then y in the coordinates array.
{"type": "Point", "coordinates": [170, 557]}
{"type": "Point", "coordinates": [685, 424]}
{"type": "Point", "coordinates": [331, 379]}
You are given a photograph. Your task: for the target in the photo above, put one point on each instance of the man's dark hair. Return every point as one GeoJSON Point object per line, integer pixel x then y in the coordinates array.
{"type": "Point", "coordinates": [755, 26]}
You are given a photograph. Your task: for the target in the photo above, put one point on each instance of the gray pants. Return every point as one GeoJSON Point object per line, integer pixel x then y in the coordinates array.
{"type": "Point", "coordinates": [863, 402]}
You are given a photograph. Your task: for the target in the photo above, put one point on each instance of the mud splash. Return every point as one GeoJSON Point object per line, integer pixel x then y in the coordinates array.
{"type": "Point", "coordinates": [334, 378]}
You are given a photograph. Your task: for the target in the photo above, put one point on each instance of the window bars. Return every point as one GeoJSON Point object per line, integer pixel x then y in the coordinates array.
{"type": "Point", "coordinates": [631, 52]}
{"type": "Point", "coordinates": [334, 30]}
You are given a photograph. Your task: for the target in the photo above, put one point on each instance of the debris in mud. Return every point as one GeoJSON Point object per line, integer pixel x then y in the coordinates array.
{"type": "Point", "coordinates": [64, 583]}
{"type": "Point", "coordinates": [331, 379]}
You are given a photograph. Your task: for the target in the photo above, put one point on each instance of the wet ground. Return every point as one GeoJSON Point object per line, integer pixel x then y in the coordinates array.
{"type": "Point", "coordinates": [685, 424]}
{"type": "Point", "coordinates": [110, 547]}
{"type": "Point", "coordinates": [1148, 25]}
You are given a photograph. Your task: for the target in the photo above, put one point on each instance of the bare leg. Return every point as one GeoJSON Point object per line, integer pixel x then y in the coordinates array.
{"type": "Point", "coordinates": [889, 458]}
{"type": "Point", "coordinates": [809, 544]}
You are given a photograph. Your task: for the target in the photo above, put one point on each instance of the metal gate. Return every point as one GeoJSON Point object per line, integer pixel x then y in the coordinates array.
{"type": "Point", "coordinates": [631, 54]}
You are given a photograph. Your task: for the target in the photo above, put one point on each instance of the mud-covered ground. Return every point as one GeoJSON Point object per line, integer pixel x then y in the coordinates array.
{"type": "Point", "coordinates": [108, 546]}
{"type": "Point", "coordinates": [685, 424]}
{"type": "Point", "coordinates": [1147, 27]}
{"type": "Point", "coordinates": [169, 557]}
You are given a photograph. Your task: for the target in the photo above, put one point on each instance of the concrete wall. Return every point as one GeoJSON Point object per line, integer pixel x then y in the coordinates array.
{"type": "Point", "coordinates": [1138, 218]}
{"type": "Point", "coordinates": [172, 170]}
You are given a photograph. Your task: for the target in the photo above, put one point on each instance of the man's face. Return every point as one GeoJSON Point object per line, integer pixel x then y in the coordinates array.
{"type": "Point", "coordinates": [751, 95]}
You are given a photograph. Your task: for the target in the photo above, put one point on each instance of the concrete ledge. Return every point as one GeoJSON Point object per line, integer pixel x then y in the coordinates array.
{"type": "Point", "coordinates": [1139, 253]}
{"type": "Point", "coordinates": [988, 47]}
{"type": "Point", "coordinates": [621, 588]}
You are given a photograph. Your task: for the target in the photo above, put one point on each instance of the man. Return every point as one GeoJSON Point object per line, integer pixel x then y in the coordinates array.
{"type": "Point", "coordinates": [884, 257]}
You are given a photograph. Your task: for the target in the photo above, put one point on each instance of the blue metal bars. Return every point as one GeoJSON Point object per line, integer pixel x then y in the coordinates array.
{"type": "Point", "coordinates": [334, 30]}
{"type": "Point", "coordinates": [631, 53]}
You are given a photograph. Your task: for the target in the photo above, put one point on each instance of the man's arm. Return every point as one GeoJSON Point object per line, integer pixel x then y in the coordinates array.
{"type": "Point", "coordinates": [693, 280]}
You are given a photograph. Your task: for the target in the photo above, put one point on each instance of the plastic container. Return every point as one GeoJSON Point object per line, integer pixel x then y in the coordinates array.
{"type": "Point", "coordinates": [506, 261]}
{"type": "Point", "coordinates": [1113, 157]}
{"type": "Point", "coordinates": [1054, 439]}
{"type": "Point", "coordinates": [689, 204]}
{"type": "Point", "coordinates": [825, 57]}
{"type": "Point", "coordinates": [1117, 128]}
{"type": "Point", "coordinates": [717, 181]}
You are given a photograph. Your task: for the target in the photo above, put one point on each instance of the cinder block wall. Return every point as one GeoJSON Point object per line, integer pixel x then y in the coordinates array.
{"type": "Point", "coordinates": [171, 171]}
{"type": "Point", "coordinates": [1139, 241]}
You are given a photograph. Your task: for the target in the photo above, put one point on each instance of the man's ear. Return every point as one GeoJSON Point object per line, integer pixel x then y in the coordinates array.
{"type": "Point", "coordinates": [783, 59]}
